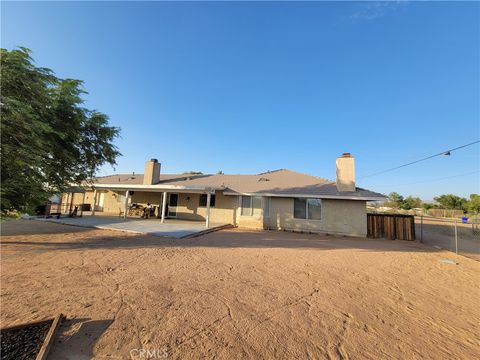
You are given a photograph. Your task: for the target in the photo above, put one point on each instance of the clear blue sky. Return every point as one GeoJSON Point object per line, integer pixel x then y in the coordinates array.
{"type": "Point", "coordinates": [250, 87]}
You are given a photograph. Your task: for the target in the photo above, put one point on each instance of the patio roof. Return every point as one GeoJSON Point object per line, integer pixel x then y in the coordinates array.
{"type": "Point", "coordinates": [157, 188]}
{"type": "Point", "coordinates": [75, 189]}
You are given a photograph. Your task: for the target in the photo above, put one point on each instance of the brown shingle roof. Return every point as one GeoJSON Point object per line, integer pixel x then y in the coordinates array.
{"type": "Point", "coordinates": [277, 182]}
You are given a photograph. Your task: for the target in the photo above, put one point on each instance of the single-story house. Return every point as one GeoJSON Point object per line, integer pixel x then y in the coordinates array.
{"type": "Point", "coordinates": [280, 199]}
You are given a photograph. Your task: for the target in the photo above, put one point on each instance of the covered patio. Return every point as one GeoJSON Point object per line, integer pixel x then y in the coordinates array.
{"type": "Point", "coordinates": [167, 200]}
{"type": "Point", "coordinates": [172, 228]}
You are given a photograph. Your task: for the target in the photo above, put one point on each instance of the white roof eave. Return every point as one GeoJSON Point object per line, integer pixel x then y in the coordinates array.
{"type": "Point", "coordinates": [153, 188]}
{"type": "Point", "coordinates": [310, 196]}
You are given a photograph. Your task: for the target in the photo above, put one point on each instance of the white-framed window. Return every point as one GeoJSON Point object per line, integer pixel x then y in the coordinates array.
{"type": "Point", "coordinates": [309, 209]}
{"type": "Point", "coordinates": [250, 205]}
{"type": "Point", "coordinates": [246, 206]}
{"type": "Point", "coordinates": [266, 206]}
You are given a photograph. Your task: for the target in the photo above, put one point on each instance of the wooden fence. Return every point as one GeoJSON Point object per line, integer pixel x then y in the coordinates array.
{"type": "Point", "coordinates": [391, 226]}
{"type": "Point", "coordinates": [445, 213]}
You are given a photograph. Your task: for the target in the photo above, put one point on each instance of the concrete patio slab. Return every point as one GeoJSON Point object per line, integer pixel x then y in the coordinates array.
{"type": "Point", "coordinates": [170, 228]}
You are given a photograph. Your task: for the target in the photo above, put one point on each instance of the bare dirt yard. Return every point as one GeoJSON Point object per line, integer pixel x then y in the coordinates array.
{"type": "Point", "coordinates": [237, 294]}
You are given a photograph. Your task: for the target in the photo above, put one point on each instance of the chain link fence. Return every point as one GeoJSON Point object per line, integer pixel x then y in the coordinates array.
{"type": "Point", "coordinates": [461, 236]}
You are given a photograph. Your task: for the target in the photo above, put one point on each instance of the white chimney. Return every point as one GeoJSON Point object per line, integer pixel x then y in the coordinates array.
{"type": "Point", "coordinates": [346, 173]}
{"type": "Point", "coordinates": [152, 172]}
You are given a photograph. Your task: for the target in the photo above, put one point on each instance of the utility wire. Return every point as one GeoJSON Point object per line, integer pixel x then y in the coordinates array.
{"type": "Point", "coordinates": [433, 180]}
{"type": "Point", "coordinates": [446, 152]}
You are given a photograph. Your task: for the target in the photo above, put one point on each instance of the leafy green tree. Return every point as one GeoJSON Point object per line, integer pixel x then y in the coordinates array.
{"type": "Point", "coordinates": [428, 206]}
{"type": "Point", "coordinates": [411, 202]}
{"type": "Point", "coordinates": [473, 205]}
{"type": "Point", "coordinates": [395, 200]}
{"type": "Point", "coordinates": [49, 140]}
{"type": "Point", "coordinates": [450, 201]}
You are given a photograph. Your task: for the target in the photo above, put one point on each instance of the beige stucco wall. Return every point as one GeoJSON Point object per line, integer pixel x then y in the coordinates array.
{"type": "Point", "coordinates": [188, 205]}
{"type": "Point", "coordinates": [345, 173]}
{"type": "Point", "coordinates": [142, 198]}
{"type": "Point", "coordinates": [67, 200]}
{"type": "Point", "coordinates": [344, 217]}
{"type": "Point", "coordinates": [254, 221]}
{"type": "Point", "coordinates": [223, 212]}
{"type": "Point", "coordinates": [152, 172]}
{"type": "Point", "coordinates": [111, 205]}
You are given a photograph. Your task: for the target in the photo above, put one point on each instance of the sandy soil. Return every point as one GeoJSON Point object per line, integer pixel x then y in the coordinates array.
{"type": "Point", "coordinates": [237, 294]}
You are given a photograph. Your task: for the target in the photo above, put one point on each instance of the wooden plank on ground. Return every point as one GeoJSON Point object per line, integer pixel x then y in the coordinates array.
{"type": "Point", "coordinates": [43, 353]}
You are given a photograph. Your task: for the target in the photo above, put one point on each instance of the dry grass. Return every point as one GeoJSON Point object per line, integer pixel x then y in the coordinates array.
{"type": "Point", "coordinates": [236, 294]}
{"type": "Point", "coordinates": [446, 227]}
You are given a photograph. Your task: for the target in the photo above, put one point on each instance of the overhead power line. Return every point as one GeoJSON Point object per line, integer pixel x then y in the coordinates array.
{"type": "Point", "coordinates": [446, 152]}
{"type": "Point", "coordinates": [432, 180]}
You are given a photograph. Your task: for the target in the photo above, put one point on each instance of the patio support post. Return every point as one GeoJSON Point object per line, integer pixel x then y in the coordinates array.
{"type": "Point", "coordinates": [164, 206]}
{"type": "Point", "coordinates": [94, 201]}
{"type": "Point", "coordinates": [207, 222]}
{"type": "Point", "coordinates": [81, 206]}
{"type": "Point", "coordinates": [64, 205]}
{"type": "Point", "coordinates": [125, 209]}
{"type": "Point", "coordinates": [71, 203]}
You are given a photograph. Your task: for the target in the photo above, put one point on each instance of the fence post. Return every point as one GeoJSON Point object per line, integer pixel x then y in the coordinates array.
{"type": "Point", "coordinates": [456, 238]}
{"type": "Point", "coordinates": [421, 228]}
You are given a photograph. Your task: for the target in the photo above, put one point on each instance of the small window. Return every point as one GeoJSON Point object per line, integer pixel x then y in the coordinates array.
{"type": "Point", "coordinates": [256, 205]}
{"type": "Point", "coordinates": [251, 205]}
{"type": "Point", "coordinates": [300, 208]}
{"type": "Point", "coordinates": [203, 200]}
{"type": "Point", "coordinates": [314, 208]}
{"type": "Point", "coordinates": [266, 206]}
{"type": "Point", "coordinates": [121, 198]}
{"type": "Point", "coordinates": [246, 206]}
{"type": "Point", "coordinates": [310, 209]}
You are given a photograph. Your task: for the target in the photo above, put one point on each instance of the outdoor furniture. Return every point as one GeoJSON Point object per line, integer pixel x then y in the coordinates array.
{"type": "Point", "coordinates": [135, 210]}
{"type": "Point", "coordinates": [152, 211]}
{"type": "Point", "coordinates": [147, 214]}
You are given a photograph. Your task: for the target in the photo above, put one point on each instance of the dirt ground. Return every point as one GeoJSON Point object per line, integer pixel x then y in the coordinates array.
{"type": "Point", "coordinates": [238, 294]}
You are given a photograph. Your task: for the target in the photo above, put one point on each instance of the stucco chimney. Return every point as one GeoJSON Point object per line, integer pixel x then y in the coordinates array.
{"type": "Point", "coordinates": [152, 172]}
{"type": "Point", "coordinates": [346, 173]}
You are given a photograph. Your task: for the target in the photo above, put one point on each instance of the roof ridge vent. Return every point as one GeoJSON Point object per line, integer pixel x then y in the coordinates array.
{"type": "Point", "coordinates": [271, 171]}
